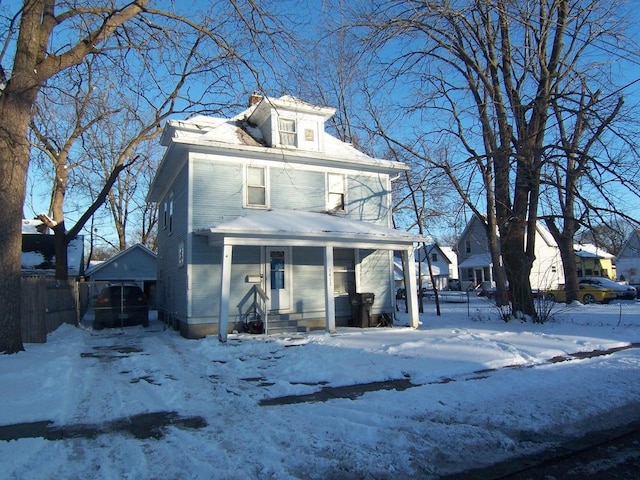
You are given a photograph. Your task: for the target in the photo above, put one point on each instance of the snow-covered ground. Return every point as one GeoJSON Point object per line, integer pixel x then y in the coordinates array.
{"type": "Point", "coordinates": [471, 400]}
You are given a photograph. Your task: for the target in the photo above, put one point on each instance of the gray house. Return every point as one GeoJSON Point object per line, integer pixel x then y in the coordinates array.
{"type": "Point", "coordinates": [266, 215]}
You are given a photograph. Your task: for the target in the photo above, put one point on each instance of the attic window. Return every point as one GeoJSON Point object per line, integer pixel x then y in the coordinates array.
{"type": "Point", "coordinates": [287, 129]}
{"type": "Point", "coordinates": [308, 135]}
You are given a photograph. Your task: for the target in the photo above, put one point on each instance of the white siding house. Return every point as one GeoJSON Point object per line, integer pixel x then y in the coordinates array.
{"type": "Point", "coordinates": [628, 260]}
{"type": "Point", "coordinates": [476, 267]}
{"type": "Point", "coordinates": [265, 214]}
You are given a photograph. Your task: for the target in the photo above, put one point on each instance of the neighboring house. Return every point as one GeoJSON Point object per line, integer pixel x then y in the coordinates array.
{"type": "Point", "coordinates": [38, 252]}
{"type": "Point", "coordinates": [628, 260]}
{"type": "Point", "coordinates": [267, 214]}
{"type": "Point", "coordinates": [137, 264]}
{"type": "Point", "coordinates": [592, 261]}
{"type": "Point", "coordinates": [441, 264]}
{"type": "Point", "coordinates": [476, 267]}
{"type": "Point", "coordinates": [452, 256]}
{"type": "Point", "coordinates": [421, 270]}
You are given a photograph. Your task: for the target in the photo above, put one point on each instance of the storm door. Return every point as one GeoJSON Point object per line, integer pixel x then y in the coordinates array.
{"type": "Point", "coordinates": [279, 275]}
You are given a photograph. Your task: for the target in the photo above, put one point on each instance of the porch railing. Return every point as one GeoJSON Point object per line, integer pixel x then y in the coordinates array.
{"type": "Point", "coordinates": [260, 300]}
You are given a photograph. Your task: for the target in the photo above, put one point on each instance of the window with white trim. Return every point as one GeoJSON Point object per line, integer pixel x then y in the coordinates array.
{"type": "Point", "coordinates": [165, 215]}
{"type": "Point", "coordinates": [287, 130]}
{"type": "Point", "coordinates": [336, 192]}
{"type": "Point", "coordinates": [171, 213]}
{"type": "Point", "coordinates": [256, 187]}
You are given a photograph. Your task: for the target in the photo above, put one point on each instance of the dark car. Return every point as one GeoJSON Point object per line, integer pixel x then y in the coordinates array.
{"type": "Point", "coordinates": [120, 305]}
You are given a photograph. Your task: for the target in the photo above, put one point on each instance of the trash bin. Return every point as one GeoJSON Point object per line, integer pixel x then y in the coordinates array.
{"type": "Point", "coordinates": [361, 309]}
{"type": "Point", "coordinates": [366, 303]}
{"type": "Point", "coordinates": [355, 299]}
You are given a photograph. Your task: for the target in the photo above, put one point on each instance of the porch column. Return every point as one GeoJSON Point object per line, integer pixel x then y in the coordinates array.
{"type": "Point", "coordinates": [329, 302]}
{"type": "Point", "coordinates": [225, 284]}
{"type": "Point", "coordinates": [411, 287]}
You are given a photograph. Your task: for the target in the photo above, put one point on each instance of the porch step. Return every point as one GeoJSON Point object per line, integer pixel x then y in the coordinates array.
{"type": "Point", "coordinates": [288, 325]}
{"type": "Point", "coordinates": [284, 326]}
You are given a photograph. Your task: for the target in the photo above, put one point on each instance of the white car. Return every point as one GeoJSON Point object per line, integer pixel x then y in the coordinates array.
{"type": "Point", "coordinates": [623, 292]}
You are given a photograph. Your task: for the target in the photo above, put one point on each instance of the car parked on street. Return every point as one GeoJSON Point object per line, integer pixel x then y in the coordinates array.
{"type": "Point", "coordinates": [121, 305]}
{"type": "Point", "coordinates": [587, 294]}
{"type": "Point", "coordinates": [623, 292]}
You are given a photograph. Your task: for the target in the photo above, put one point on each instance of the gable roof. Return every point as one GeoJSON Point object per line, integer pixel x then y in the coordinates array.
{"type": "Point", "coordinates": [430, 248]}
{"type": "Point", "coordinates": [137, 249]}
{"type": "Point", "coordinates": [631, 247]}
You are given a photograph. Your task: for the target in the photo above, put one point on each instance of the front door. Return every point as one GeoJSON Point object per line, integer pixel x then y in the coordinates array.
{"type": "Point", "coordinates": [279, 275]}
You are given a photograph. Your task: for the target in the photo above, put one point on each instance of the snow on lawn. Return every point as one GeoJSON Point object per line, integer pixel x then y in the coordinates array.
{"type": "Point", "coordinates": [481, 390]}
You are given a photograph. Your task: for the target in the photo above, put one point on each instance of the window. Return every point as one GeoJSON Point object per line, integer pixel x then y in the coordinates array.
{"type": "Point", "coordinates": [170, 213]}
{"type": "Point", "coordinates": [335, 192]}
{"type": "Point", "coordinates": [256, 186]}
{"type": "Point", "coordinates": [287, 129]}
{"type": "Point", "coordinates": [181, 254]}
{"type": "Point", "coordinates": [308, 135]}
{"type": "Point", "coordinates": [434, 257]}
{"type": "Point", "coordinates": [344, 271]}
{"type": "Point", "coordinates": [467, 246]}
{"type": "Point", "coordinates": [165, 216]}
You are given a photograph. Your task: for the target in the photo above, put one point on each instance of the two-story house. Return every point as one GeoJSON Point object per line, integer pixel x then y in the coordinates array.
{"type": "Point", "coordinates": [268, 212]}
{"type": "Point", "coordinates": [443, 260]}
{"type": "Point", "coordinates": [628, 259]}
{"type": "Point", "coordinates": [477, 269]}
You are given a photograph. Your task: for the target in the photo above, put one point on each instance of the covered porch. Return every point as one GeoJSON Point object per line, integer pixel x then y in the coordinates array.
{"type": "Point", "coordinates": [279, 230]}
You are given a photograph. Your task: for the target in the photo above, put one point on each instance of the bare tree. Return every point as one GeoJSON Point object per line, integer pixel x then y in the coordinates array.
{"type": "Point", "coordinates": [566, 173]}
{"type": "Point", "coordinates": [489, 71]}
{"type": "Point", "coordinates": [38, 45]}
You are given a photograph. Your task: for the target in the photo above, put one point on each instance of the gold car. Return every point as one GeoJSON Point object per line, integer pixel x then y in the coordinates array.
{"type": "Point", "coordinates": [587, 294]}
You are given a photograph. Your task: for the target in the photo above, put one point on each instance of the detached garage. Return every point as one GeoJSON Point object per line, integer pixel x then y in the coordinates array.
{"type": "Point", "coordinates": [136, 264]}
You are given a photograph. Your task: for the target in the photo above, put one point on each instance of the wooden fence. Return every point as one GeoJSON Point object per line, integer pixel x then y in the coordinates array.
{"type": "Point", "coordinates": [47, 303]}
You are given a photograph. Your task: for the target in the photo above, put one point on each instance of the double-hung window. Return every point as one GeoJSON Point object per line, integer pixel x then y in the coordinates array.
{"type": "Point", "coordinates": [287, 129]}
{"type": "Point", "coordinates": [256, 187]}
{"type": "Point", "coordinates": [335, 192]}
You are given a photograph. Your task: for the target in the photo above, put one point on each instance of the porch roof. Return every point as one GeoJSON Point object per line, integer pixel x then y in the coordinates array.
{"type": "Point", "coordinates": [477, 260]}
{"type": "Point", "coordinates": [292, 227]}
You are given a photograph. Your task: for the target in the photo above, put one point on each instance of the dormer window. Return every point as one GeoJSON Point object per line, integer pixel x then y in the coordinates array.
{"type": "Point", "coordinates": [287, 129]}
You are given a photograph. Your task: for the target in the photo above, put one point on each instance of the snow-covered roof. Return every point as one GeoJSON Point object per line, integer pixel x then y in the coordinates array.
{"type": "Point", "coordinates": [314, 228]}
{"type": "Point", "coordinates": [424, 269]}
{"type": "Point", "coordinates": [477, 260]}
{"type": "Point", "coordinates": [31, 226]}
{"type": "Point", "coordinates": [239, 131]}
{"type": "Point", "coordinates": [245, 136]}
{"type": "Point", "coordinates": [589, 250]}
{"type": "Point", "coordinates": [38, 255]}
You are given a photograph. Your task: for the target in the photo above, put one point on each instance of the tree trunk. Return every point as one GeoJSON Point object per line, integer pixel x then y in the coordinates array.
{"type": "Point", "coordinates": [564, 240]}
{"type": "Point", "coordinates": [60, 243]}
{"type": "Point", "coordinates": [14, 162]}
